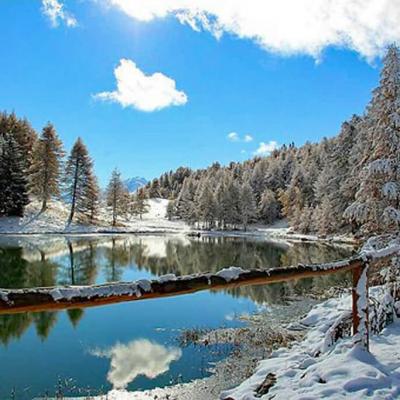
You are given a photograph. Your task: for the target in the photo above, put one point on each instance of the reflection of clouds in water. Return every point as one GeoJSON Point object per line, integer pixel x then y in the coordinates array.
{"type": "Point", "coordinates": [139, 357]}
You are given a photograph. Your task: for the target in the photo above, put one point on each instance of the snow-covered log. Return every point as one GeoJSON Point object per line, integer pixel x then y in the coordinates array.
{"type": "Point", "coordinates": [64, 297]}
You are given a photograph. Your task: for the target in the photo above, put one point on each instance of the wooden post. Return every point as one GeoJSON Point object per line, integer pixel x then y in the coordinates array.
{"type": "Point", "coordinates": [360, 306]}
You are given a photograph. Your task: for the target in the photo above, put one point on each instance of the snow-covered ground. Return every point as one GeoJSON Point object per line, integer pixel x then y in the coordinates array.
{"type": "Point", "coordinates": [309, 370]}
{"type": "Point", "coordinates": [53, 220]}
{"type": "Point", "coordinates": [154, 221]}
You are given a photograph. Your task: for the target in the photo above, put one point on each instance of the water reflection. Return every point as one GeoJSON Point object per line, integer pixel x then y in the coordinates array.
{"type": "Point", "coordinates": [138, 357]}
{"type": "Point", "coordinates": [29, 262]}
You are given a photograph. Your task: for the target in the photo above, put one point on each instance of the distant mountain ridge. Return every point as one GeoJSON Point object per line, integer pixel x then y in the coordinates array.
{"type": "Point", "coordinates": [135, 183]}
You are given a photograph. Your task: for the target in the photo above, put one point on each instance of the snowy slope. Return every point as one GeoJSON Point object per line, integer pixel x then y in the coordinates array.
{"type": "Point", "coordinates": [343, 372]}
{"type": "Point", "coordinates": [54, 221]}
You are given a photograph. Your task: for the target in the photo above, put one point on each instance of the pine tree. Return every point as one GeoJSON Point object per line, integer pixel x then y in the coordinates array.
{"type": "Point", "coordinates": [13, 183]}
{"type": "Point", "coordinates": [171, 209]}
{"type": "Point", "coordinates": [23, 133]}
{"type": "Point", "coordinates": [248, 209]}
{"type": "Point", "coordinates": [205, 204]}
{"type": "Point", "coordinates": [155, 189]}
{"type": "Point", "coordinates": [93, 199]}
{"type": "Point", "coordinates": [185, 203]}
{"type": "Point", "coordinates": [140, 205]}
{"type": "Point", "coordinates": [45, 170]}
{"type": "Point", "coordinates": [115, 196]}
{"type": "Point", "coordinates": [78, 178]}
{"type": "Point", "coordinates": [268, 207]}
{"type": "Point", "coordinates": [376, 206]}
{"type": "Point", "coordinates": [231, 203]}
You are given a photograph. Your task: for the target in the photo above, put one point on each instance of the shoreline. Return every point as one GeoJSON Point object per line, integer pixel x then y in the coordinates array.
{"type": "Point", "coordinates": [272, 234]}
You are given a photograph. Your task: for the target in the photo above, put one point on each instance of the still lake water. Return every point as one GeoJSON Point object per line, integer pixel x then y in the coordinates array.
{"type": "Point", "coordinates": [130, 345]}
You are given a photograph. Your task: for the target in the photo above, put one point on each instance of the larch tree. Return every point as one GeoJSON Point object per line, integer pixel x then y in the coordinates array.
{"type": "Point", "coordinates": [171, 209]}
{"type": "Point", "coordinates": [45, 170]}
{"type": "Point", "coordinates": [23, 133]}
{"type": "Point", "coordinates": [139, 204]}
{"type": "Point", "coordinates": [78, 177]}
{"type": "Point", "coordinates": [13, 182]}
{"type": "Point", "coordinates": [232, 203]}
{"type": "Point", "coordinates": [155, 189]}
{"type": "Point", "coordinates": [205, 204]}
{"type": "Point", "coordinates": [248, 208]}
{"type": "Point", "coordinates": [185, 203]}
{"type": "Point", "coordinates": [115, 195]}
{"type": "Point", "coordinates": [268, 207]}
{"type": "Point", "coordinates": [376, 206]}
{"type": "Point", "coordinates": [93, 198]}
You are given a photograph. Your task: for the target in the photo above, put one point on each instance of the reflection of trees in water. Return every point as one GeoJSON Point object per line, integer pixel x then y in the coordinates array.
{"type": "Point", "coordinates": [209, 255]}
{"type": "Point", "coordinates": [81, 266]}
{"type": "Point", "coordinates": [16, 272]}
{"type": "Point", "coordinates": [85, 258]}
{"type": "Point", "coordinates": [279, 293]}
{"type": "Point", "coordinates": [117, 257]}
{"type": "Point", "coordinates": [75, 315]}
{"type": "Point", "coordinates": [212, 254]}
{"type": "Point", "coordinates": [309, 253]}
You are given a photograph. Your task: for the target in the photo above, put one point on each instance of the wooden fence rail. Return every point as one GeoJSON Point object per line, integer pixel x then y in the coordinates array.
{"type": "Point", "coordinates": [67, 297]}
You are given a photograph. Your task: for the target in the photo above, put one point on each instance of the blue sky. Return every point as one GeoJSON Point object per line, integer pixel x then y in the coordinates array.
{"type": "Point", "coordinates": [222, 85]}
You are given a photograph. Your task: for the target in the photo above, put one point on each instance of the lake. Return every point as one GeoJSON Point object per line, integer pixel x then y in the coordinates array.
{"type": "Point", "coordinates": [132, 345]}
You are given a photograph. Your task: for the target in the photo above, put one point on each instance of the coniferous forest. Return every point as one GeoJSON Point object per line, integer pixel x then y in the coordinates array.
{"type": "Point", "coordinates": [348, 184]}
{"type": "Point", "coordinates": [33, 166]}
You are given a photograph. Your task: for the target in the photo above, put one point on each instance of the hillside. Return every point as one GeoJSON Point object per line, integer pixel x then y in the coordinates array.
{"type": "Point", "coordinates": [53, 220]}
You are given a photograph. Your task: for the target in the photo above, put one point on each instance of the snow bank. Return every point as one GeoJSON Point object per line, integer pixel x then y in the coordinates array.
{"type": "Point", "coordinates": [310, 371]}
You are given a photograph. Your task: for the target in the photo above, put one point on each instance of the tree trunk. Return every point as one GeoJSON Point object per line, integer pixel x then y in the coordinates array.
{"type": "Point", "coordinates": [73, 203]}
{"type": "Point", "coordinates": [44, 205]}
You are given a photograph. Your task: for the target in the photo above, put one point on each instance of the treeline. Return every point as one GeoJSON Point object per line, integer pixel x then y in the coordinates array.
{"type": "Point", "coordinates": [34, 167]}
{"type": "Point", "coordinates": [349, 183]}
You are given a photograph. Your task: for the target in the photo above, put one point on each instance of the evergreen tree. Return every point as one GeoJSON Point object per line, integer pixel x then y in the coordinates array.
{"type": "Point", "coordinates": [115, 194]}
{"type": "Point", "coordinates": [376, 206]}
{"type": "Point", "coordinates": [22, 132]}
{"type": "Point", "coordinates": [205, 204]}
{"type": "Point", "coordinates": [171, 209]}
{"type": "Point", "coordinates": [248, 209]}
{"type": "Point", "coordinates": [185, 203]}
{"type": "Point", "coordinates": [268, 207]}
{"type": "Point", "coordinates": [93, 199]}
{"type": "Point", "coordinates": [45, 169]}
{"type": "Point", "coordinates": [13, 183]}
{"type": "Point", "coordinates": [155, 189]}
{"type": "Point", "coordinates": [78, 179]}
{"type": "Point", "coordinates": [140, 205]}
{"type": "Point", "coordinates": [232, 203]}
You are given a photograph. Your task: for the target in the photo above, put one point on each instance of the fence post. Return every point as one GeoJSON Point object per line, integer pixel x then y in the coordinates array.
{"type": "Point", "coordinates": [360, 306]}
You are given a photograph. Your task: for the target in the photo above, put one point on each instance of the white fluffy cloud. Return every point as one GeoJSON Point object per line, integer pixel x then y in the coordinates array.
{"type": "Point", "coordinates": [235, 137]}
{"type": "Point", "coordinates": [55, 11]}
{"type": "Point", "coordinates": [265, 149]}
{"type": "Point", "coordinates": [139, 357]}
{"type": "Point", "coordinates": [141, 91]}
{"type": "Point", "coordinates": [284, 26]}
